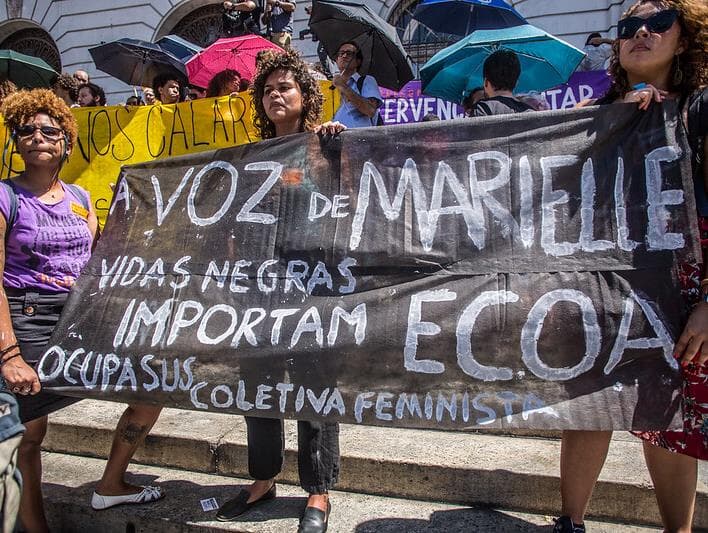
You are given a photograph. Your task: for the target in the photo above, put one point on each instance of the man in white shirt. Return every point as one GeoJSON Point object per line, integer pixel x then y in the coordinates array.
{"type": "Point", "coordinates": [360, 95]}
{"type": "Point", "coordinates": [599, 51]}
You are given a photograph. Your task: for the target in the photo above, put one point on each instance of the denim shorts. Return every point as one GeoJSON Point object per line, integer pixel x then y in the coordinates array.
{"type": "Point", "coordinates": [34, 316]}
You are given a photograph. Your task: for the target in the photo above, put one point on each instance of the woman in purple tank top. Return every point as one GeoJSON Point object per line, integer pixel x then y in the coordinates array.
{"type": "Point", "coordinates": [47, 229]}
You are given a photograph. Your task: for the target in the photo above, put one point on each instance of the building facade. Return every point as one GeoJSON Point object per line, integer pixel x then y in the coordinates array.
{"type": "Point", "coordinates": [62, 31]}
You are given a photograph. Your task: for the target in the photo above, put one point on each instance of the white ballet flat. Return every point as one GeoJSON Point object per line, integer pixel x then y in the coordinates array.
{"type": "Point", "coordinates": [147, 495]}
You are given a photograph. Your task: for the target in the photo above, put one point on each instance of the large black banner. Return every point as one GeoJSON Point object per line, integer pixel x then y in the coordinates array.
{"type": "Point", "coordinates": [513, 271]}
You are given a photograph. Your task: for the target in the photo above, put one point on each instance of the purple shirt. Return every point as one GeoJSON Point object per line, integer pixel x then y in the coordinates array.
{"type": "Point", "coordinates": [48, 245]}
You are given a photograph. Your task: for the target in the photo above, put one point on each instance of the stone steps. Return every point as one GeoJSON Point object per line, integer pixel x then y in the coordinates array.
{"type": "Point", "coordinates": [69, 481]}
{"type": "Point", "coordinates": [457, 468]}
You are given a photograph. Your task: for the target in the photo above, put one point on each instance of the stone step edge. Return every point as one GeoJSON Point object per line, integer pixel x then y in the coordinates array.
{"type": "Point", "coordinates": [416, 477]}
{"type": "Point", "coordinates": [67, 503]}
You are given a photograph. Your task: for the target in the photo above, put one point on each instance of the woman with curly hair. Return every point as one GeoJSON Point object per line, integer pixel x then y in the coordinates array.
{"type": "Point", "coordinates": [224, 83]}
{"type": "Point", "coordinates": [48, 228]}
{"type": "Point", "coordinates": [660, 54]}
{"type": "Point", "coordinates": [287, 100]}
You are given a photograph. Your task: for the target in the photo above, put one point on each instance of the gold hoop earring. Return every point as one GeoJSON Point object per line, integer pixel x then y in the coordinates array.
{"type": "Point", "coordinates": [678, 73]}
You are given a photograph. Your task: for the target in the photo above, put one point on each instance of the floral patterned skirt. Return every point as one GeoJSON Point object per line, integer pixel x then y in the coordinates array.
{"type": "Point", "coordinates": [693, 438]}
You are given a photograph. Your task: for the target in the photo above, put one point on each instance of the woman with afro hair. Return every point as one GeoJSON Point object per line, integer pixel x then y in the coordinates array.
{"type": "Point", "coordinates": [47, 230]}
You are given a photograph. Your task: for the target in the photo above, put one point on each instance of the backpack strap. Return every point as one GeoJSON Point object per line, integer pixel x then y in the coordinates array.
{"type": "Point", "coordinates": [484, 106]}
{"type": "Point", "coordinates": [512, 103]}
{"type": "Point", "coordinates": [80, 194]}
{"type": "Point", "coordinates": [360, 87]}
{"type": "Point", "coordinates": [12, 196]}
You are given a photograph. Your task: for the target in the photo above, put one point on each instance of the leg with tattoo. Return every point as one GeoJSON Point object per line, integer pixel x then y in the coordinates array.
{"type": "Point", "coordinates": [132, 433]}
{"type": "Point", "coordinates": [135, 423]}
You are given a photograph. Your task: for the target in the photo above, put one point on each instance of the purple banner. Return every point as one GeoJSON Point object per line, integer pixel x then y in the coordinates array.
{"type": "Point", "coordinates": [580, 86]}
{"type": "Point", "coordinates": [411, 105]}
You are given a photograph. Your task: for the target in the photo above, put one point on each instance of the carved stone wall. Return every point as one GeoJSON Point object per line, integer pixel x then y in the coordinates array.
{"type": "Point", "coordinates": [34, 42]}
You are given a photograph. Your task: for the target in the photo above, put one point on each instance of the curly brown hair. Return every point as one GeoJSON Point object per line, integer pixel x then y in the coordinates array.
{"type": "Point", "coordinates": [693, 17]}
{"type": "Point", "coordinates": [268, 62]}
{"type": "Point", "coordinates": [220, 81]}
{"type": "Point", "coordinates": [68, 83]}
{"type": "Point", "coordinates": [7, 87]}
{"type": "Point", "coordinates": [20, 107]}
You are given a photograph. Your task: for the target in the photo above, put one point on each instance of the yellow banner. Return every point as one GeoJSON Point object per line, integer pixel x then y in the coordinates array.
{"type": "Point", "coordinates": [110, 137]}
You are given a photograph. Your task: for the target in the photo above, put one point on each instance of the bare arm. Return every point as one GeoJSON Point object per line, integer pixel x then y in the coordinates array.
{"type": "Point", "coordinates": [365, 106]}
{"type": "Point", "coordinates": [288, 6]}
{"type": "Point", "coordinates": [92, 220]}
{"type": "Point", "coordinates": [692, 345]}
{"type": "Point", "coordinates": [248, 5]}
{"type": "Point", "coordinates": [20, 377]}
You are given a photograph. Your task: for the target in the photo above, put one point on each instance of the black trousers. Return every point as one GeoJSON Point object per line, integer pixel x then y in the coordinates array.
{"type": "Point", "coordinates": [318, 452]}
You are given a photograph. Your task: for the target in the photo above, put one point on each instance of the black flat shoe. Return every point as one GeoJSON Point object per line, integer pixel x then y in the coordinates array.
{"type": "Point", "coordinates": [314, 521]}
{"type": "Point", "coordinates": [239, 505]}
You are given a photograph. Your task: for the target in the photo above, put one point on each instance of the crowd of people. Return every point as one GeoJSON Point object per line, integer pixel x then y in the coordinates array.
{"type": "Point", "coordinates": [660, 54]}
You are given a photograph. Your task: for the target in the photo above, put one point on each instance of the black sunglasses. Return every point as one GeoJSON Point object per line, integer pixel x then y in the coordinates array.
{"type": "Point", "coordinates": [48, 132]}
{"type": "Point", "coordinates": [657, 23]}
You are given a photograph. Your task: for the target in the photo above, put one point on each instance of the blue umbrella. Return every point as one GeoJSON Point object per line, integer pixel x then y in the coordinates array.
{"type": "Point", "coordinates": [545, 61]}
{"type": "Point", "coordinates": [462, 17]}
{"type": "Point", "coordinates": [181, 48]}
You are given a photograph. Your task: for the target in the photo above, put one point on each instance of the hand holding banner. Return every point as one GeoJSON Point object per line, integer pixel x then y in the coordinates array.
{"type": "Point", "coordinates": [510, 271]}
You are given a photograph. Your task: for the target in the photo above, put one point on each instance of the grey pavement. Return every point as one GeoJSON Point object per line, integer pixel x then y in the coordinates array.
{"type": "Point", "coordinates": [460, 469]}
{"type": "Point", "coordinates": [69, 481]}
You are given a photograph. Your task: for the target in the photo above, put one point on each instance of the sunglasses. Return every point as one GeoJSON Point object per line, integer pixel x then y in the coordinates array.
{"type": "Point", "coordinates": [657, 23]}
{"type": "Point", "coordinates": [48, 132]}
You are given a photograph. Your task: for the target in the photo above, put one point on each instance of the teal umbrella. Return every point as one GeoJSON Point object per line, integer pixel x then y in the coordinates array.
{"type": "Point", "coordinates": [545, 61]}
{"type": "Point", "coordinates": [25, 71]}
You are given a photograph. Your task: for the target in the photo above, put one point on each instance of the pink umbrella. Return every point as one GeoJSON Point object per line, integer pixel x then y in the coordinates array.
{"type": "Point", "coordinates": [237, 53]}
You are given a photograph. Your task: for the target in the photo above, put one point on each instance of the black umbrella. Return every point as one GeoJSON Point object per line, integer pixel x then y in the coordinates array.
{"type": "Point", "coordinates": [136, 62]}
{"type": "Point", "coordinates": [384, 57]}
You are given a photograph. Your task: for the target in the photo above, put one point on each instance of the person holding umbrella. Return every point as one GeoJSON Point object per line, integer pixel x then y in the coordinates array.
{"type": "Point", "coordinates": [380, 51]}
{"type": "Point", "coordinates": [360, 95]}
{"type": "Point", "coordinates": [287, 100]}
